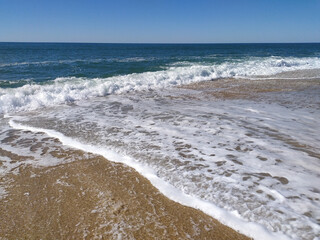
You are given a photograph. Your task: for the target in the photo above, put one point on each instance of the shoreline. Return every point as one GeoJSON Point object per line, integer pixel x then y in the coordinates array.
{"type": "Point", "coordinates": [235, 89]}
{"type": "Point", "coordinates": [92, 197]}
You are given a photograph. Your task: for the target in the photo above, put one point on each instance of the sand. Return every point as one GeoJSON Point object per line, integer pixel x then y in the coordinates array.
{"type": "Point", "coordinates": [93, 198]}
{"type": "Point", "coordinates": [89, 197]}
{"type": "Point", "coordinates": [266, 90]}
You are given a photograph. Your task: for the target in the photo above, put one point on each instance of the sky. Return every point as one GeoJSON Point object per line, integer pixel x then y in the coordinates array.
{"type": "Point", "coordinates": [160, 21]}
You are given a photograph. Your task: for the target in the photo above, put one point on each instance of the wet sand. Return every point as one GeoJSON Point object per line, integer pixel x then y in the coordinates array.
{"type": "Point", "coordinates": [270, 90]}
{"type": "Point", "coordinates": [93, 198]}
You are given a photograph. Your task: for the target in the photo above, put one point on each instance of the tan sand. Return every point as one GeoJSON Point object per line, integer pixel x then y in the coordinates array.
{"type": "Point", "coordinates": [250, 89]}
{"type": "Point", "coordinates": [93, 198]}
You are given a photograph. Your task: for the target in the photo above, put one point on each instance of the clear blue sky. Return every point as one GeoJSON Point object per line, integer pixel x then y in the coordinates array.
{"type": "Point", "coordinates": [161, 21]}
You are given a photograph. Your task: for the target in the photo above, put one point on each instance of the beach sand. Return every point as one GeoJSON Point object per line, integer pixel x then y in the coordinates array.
{"type": "Point", "coordinates": [270, 90]}
{"type": "Point", "coordinates": [90, 197]}
{"type": "Point", "coordinates": [93, 198]}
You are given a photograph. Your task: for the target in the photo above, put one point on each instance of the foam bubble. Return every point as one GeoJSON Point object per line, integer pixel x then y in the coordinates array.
{"type": "Point", "coordinates": [66, 61]}
{"type": "Point", "coordinates": [70, 89]}
{"type": "Point", "coordinates": [257, 160]}
{"type": "Point", "coordinates": [231, 219]}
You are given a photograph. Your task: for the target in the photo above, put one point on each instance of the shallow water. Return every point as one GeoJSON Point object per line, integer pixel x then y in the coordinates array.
{"type": "Point", "coordinates": [36, 75]}
{"type": "Point", "coordinates": [257, 160]}
{"type": "Point", "coordinates": [243, 151]}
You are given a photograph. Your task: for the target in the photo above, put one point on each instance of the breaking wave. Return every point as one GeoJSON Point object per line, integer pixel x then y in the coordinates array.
{"type": "Point", "coordinates": [70, 89]}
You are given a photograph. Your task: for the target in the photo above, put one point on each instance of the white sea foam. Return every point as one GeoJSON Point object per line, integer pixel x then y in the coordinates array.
{"type": "Point", "coordinates": [3, 192]}
{"type": "Point", "coordinates": [231, 219]}
{"type": "Point", "coordinates": [69, 89]}
{"type": "Point", "coordinates": [12, 64]}
{"type": "Point", "coordinates": [69, 61]}
{"type": "Point", "coordinates": [135, 59]}
{"type": "Point", "coordinates": [256, 160]}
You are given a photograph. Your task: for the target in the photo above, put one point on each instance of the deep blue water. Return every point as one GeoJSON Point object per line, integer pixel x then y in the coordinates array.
{"type": "Point", "coordinates": [23, 63]}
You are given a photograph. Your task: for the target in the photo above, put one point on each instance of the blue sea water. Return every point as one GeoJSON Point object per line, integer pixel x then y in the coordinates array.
{"type": "Point", "coordinates": [253, 165]}
{"type": "Point", "coordinates": [104, 69]}
{"type": "Point", "coordinates": [25, 63]}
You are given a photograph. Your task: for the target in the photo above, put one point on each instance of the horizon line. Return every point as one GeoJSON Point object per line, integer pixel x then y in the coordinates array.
{"type": "Point", "coordinates": [159, 42]}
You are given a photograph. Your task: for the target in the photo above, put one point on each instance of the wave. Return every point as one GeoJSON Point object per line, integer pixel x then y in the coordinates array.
{"type": "Point", "coordinates": [70, 89]}
{"type": "Point", "coordinates": [124, 60]}
{"type": "Point", "coordinates": [43, 62]}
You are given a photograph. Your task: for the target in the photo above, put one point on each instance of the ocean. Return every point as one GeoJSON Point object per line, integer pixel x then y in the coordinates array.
{"type": "Point", "coordinates": [250, 159]}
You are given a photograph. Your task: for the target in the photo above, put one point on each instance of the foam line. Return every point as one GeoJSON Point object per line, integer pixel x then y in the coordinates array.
{"type": "Point", "coordinates": [70, 89]}
{"type": "Point", "coordinates": [231, 219]}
